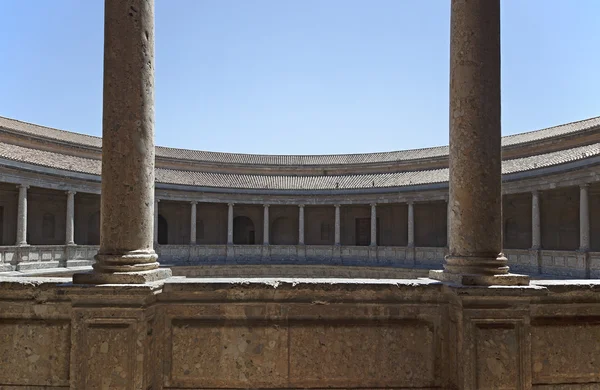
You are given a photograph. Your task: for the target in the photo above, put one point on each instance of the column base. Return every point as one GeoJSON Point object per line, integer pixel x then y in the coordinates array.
{"type": "Point", "coordinates": [139, 277]}
{"type": "Point", "coordinates": [480, 280]}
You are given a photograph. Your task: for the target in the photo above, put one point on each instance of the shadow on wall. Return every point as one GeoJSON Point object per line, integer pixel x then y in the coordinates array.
{"type": "Point", "coordinates": [243, 231]}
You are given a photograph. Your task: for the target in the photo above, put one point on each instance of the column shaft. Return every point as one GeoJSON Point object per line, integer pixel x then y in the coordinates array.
{"type": "Point", "coordinates": [230, 224]}
{"type": "Point", "coordinates": [266, 224]}
{"type": "Point", "coordinates": [584, 218]}
{"type": "Point", "coordinates": [126, 253]}
{"type": "Point", "coordinates": [70, 239]}
{"type": "Point", "coordinates": [411, 225]}
{"type": "Point", "coordinates": [337, 224]}
{"type": "Point", "coordinates": [155, 225]}
{"type": "Point", "coordinates": [475, 219]}
{"type": "Point", "coordinates": [536, 237]}
{"type": "Point", "coordinates": [193, 223]}
{"type": "Point", "coordinates": [301, 224]}
{"type": "Point", "coordinates": [373, 224]}
{"type": "Point", "coordinates": [22, 216]}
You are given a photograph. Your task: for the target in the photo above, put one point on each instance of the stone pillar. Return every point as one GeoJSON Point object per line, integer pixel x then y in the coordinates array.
{"type": "Point", "coordinates": [448, 222]}
{"type": "Point", "coordinates": [337, 225]}
{"type": "Point", "coordinates": [536, 237]}
{"type": "Point", "coordinates": [411, 225]}
{"type": "Point", "coordinates": [373, 224]}
{"type": "Point", "coordinates": [584, 218]}
{"type": "Point", "coordinates": [155, 225]}
{"type": "Point", "coordinates": [229, 223]}
{"type": "Point", "coordinates": [22, 216]}
{"type": "Point", "coordinates": [126, 253]}
{"type": "Point", "coordinates": [193, 223]}
{"type": "Point", "coordinates": [266, 224]}
{"type": "Point", "coordinates": [475, 250]}
{"type": "Point", "coordinates": [301, 224]}
{"type": "Point", "coordinates": [69, 239]}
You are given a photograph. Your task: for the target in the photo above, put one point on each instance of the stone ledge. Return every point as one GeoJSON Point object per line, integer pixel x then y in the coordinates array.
{"type": "Point", "coordinates": [140, 277]}
{"type": "Point", "coordinates": [480, 280]}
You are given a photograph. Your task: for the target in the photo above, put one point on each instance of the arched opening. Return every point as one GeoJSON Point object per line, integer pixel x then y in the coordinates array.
{"type": "Point", "coordinates": [283, 232]}
{"type": "Point", "coordinates": [163, 230]}
{"type": "Point", "coordinates": [93, 229]}
{"type": "Point", "coordinates": [243, 231]}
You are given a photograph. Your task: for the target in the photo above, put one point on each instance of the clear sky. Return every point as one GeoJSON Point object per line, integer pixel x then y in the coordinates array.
{"type": "Point", "coordinates": [299, 76]}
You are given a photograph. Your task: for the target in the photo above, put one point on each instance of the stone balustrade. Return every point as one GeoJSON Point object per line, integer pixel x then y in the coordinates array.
{"type": "Point", "coordinates": [537, 263]}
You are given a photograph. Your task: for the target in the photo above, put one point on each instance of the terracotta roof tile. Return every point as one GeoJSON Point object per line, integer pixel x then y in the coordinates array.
{"type": "Point", "coordinates": [300, 160]}
{"type": "Point", "coordinates": [289, 182]}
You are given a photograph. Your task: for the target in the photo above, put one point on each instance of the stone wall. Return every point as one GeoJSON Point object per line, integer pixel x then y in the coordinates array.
{"type": "Point", "coordinates": [8, 202]}
{"type": "Point", "coordinates": [431, 227]}
{"type": "Point", "coordinates": [516, 212]}
{"type": "Point", "coordinates": [87, 219]}
{"type": "Point", "coordinates": [211, 224]}
{"type": "Point", "coordinates": [267, 333]}
{"type": "Point", "coordinates": [560, 219]}
{"type": "Point", "coordinates": [319, 225]}
{"type": "Point", "coordinates": [46, 216]}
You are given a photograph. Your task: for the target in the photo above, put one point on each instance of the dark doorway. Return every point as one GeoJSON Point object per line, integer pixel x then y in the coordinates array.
{"type": "Point", "coordinates": [363, 231]}
{"type": "Point", "coordinates": [93, 229]}
{"type": "Point", "coordinates": [163, 230]}
{"type": "Point", "coordinates": [243, 231]}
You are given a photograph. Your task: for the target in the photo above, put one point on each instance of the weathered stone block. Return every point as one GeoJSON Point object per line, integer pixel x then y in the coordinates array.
{"type": "Point", "coordinates": [566, 350]}
{"type": "Point", "coordinates": [228, 354]}
{"type": "Point", "coordinates": [334, 354]}
{"type": "Point", "coordinates": [35, 352]}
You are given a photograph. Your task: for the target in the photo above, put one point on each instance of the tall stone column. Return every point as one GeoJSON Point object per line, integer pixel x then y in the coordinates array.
{"type": "Point", "coordinates": [193, 223]}
{"type": "Point", "coordinates": [22, 216]}
{"type": "Point", "coordinates": [70, 239]}
{"type": "Point", "coordinates": [126, 253]}
{"type": "Point", "coordinates": [229, 223]}
{"type": "Point", "coordinates": [411, 225]}
{"type": "Point", "coordinates": [448, 221]}
{"type": "Point", "coordinates": [475, 250]}
{"type": "Point", "coordinates": [266, 224]}
{"type": "Point", "coordinates": [337, 225]}
{"type": "Point", "coordinates": [584, 218]}
{"type": "Point", "coordinates": [536, 237]}
{"type": "Point", "coordinates": [301, 224]}
{"type": "Point", "coordinates": [373, 224]}
{"type": "Point", "coordinates": [155, 225]}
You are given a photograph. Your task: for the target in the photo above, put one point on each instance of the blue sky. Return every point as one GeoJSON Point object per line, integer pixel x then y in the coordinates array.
{"type": "Point", "coordinates": [299, 76]}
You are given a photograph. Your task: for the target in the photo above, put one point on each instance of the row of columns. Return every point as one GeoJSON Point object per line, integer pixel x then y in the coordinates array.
{"type": "Point", "coordinates": [584, 221]}
{"type": "Point", "coordinates": [22, 217]}
{"type": "Point", "coordinates": [475, 256]}
{"type": "Point", "coordinates": [337, 237]}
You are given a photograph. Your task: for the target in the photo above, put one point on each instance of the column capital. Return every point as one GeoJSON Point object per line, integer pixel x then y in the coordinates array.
{"type": "Point", "coordinates": [157, 200]}
{"type": "Point", "coordinates": [337, 205]}
{"type": "Point", "coordinates": [70, 192]}
{"type": "Point", "coordinates": [25, 186]}
{"type": "Point", "coordinates": [584, 185]}
{"type": "Point", "coordinates": [194, 202]}
{"type": "Point", "coordinates": [535, 192]}
{"type": "Point", "coordinates": [230, 204]}
{"type": "Point", "coordinates": [266, 205]}
{"type": "Point", "coordinates": [373, 204]}
{"type": "Point", "coordinates": [410, 202]}
{"type": "Point", "coordinates": [301, 205]}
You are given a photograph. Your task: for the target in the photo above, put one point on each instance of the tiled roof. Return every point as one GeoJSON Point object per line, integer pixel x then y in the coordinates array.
{"type": "Point", "coordinates": [291, 160]}
{"type": "Point", "coordinates": [291, 182]}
